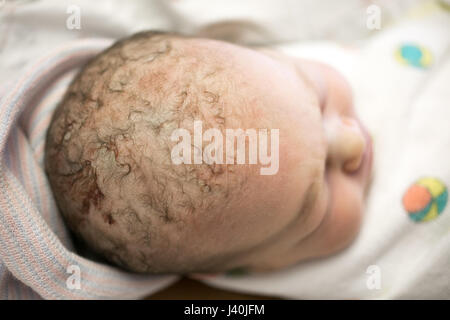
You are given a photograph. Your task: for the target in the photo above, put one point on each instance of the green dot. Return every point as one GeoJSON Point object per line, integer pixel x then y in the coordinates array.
{"type": "Point", "coordinates": [441, 201]}
{"type": "Point", "coordinates": [241, 271]}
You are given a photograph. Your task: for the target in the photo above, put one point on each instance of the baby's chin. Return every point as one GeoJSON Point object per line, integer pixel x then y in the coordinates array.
{"type": "Point", "coordinates": [341, 224]}
{"type": "Point", "coordinates": [337, 231]}
{"type": "Point", "coordinates": [341, 230]}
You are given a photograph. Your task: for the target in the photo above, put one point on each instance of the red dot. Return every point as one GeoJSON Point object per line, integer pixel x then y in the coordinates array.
{"type": "Point", "coordinates": [416, 198]}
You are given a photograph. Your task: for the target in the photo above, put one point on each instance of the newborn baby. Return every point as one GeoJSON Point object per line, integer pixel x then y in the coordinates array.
{"type": "Point", "coordinates": [110, 145]}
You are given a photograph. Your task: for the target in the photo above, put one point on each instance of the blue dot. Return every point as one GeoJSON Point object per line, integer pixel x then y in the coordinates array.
{"type": "Point", "coordinates": [412, 54]}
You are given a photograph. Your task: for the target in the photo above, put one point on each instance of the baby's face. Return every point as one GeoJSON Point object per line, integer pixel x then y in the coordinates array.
{"type": "Point", "coordinates": [313, 206]}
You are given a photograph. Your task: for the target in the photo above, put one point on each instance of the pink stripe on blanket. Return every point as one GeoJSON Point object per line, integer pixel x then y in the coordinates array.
{"type": "Point", "coordinates": [34, 243]}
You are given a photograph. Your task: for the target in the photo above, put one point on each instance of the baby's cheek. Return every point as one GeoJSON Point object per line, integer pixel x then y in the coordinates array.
{"type": "Point", "coordinates": [344, 218]}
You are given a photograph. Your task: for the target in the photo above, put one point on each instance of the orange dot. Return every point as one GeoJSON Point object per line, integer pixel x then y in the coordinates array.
{"type": "Point", "coordinates": [416, 198]}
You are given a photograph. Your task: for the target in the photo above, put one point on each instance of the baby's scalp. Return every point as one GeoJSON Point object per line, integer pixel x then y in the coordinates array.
{"type": "Point", "coordinates": [108, 154]}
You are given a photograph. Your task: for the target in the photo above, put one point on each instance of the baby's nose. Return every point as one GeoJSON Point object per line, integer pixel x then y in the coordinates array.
{"type": "Point", "coordinates": [346, 143]}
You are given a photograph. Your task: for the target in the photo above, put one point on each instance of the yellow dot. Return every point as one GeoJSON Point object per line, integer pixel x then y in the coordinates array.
{"type": "Point", "coordinates": [433, 185]}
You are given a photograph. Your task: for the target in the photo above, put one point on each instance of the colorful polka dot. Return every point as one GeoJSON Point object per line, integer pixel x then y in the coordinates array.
{"type": "Point", "coordinates": [425, 199]}
{"type": "Point", "coordinates": [414, 55]}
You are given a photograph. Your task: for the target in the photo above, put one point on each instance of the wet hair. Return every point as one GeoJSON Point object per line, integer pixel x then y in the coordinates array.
{"type": "Point", "coordinates": [108, 160]}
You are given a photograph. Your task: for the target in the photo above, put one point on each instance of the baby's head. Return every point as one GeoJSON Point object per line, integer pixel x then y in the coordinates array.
{"type": "Point", "coordinates": [113, 160]}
